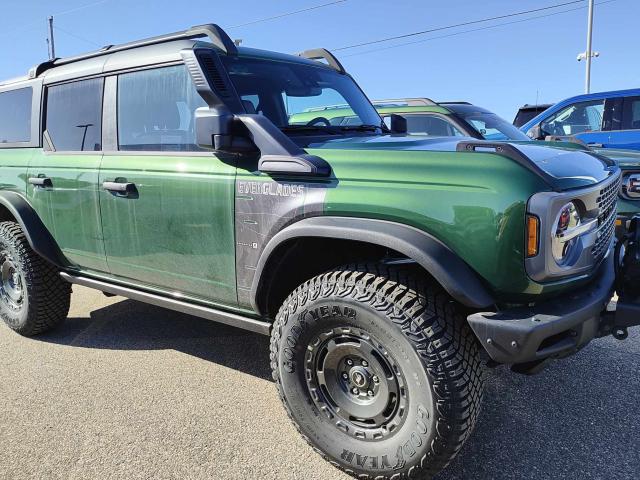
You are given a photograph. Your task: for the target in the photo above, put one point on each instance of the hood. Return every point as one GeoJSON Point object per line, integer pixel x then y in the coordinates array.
{"type": "Point", "coordinates": [626, 159]}
{"type": "Point", "coordinates": [564, 168]}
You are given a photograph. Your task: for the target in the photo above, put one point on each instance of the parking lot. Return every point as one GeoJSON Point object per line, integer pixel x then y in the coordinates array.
{"type": "Point", "coordinates": [127, 390]}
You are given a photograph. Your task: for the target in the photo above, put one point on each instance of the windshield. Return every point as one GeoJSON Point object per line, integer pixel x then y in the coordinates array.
{"type": "Point", "coordinates": [488, 124]}
{"type": "Point", "coordinates": [299, 97]}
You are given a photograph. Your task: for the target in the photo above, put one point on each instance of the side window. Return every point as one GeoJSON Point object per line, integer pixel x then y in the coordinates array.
{"type": "Point", "coordinates": [577, 118]}
{"type": "Point", "coordinates": [613, 114]}
{"type": "Point", "coordinates": [156, 110]}
{"type": "Point", "coordinates": [431, 125]}
{"type": "Point", "coordinates": [631, 113]}
{"type": "Point", "coordinates": [15, 115]}
{"type": "Point", "coordinates": [74, 115]}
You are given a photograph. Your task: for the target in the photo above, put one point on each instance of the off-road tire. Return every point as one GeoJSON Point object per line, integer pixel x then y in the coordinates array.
{"type": "Point", "coordinates": [46, 297]}
{"type": "Point", "coordinates": [416, 322]}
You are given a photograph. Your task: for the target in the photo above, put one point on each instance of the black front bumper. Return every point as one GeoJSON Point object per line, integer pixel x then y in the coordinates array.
{"type": "Point", "coordinates": [552, 329]}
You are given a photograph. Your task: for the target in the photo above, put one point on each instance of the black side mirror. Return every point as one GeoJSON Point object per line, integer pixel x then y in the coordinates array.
{"type": "Point", "coordinates": [396, 123]}
{"type": "Point", "coordinates": [537, 132]}
{"type": "Point", "coordinates": [213, 128]}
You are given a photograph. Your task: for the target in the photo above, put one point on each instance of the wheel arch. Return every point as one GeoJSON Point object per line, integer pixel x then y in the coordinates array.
{"type": "Point", "coordinates": [14, 207]}
{"type": "Point", "coordinates": [447, 268]}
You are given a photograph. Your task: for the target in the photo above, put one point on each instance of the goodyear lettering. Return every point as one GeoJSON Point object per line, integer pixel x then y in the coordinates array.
{"type": "Point", "coordinates": [332, 311]}
{"type": "Point", "coordinates": [291, 341]}
{"type": "Point", "coordinates": [274, 189]}
{"type": "Point", "coordinates": [394, 462]}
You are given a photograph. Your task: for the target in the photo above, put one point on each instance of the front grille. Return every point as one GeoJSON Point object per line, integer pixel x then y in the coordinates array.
{"type": "Point", "coordinates": [607, 210]}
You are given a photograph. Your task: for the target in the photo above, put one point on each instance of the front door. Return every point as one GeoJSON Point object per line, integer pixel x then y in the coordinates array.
{"type": "Point", "coordinates": [582, 120]}
{"type": "Point", "coordinates": [167, 207]}
{"type": "Point", "coordinates": [63, 176]}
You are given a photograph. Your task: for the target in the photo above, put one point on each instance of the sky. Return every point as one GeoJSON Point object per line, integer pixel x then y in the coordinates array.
{"type": "Point", "coordinates": [492, 64]}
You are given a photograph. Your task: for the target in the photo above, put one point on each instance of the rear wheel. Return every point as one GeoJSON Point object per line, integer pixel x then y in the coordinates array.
{"type": "Point", "coordinates": [377, 370]}
{"type": "Point", "coordinates": [33, 297]}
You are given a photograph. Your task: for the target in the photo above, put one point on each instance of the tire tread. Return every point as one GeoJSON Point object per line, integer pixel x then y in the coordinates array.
{"type": "Point", "coordinates": [429, 319]}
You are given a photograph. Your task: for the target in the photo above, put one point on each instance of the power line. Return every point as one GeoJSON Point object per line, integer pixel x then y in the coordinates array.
{"type": "Point", "coordinates": [86, 40]}
{"type": "Point", "coordinates": [6, 33]}
{"type": "Point", "coordinates": [472, 22]}
{"type": "Point", "coordinates": [472, 30]}
{"type": "Point", "coordinates": [295, 12]}
{"type": "Point", "coordinates": [80, 7]}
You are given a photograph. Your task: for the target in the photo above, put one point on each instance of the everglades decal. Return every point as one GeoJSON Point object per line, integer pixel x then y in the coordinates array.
{"type": "Point", "coordinates": [271, 188]}
{"type": "Point", "coordinates": [263, 208]}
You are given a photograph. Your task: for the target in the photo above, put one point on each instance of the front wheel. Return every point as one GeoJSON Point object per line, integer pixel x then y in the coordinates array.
{"type": "Point", "coordinates": [378, 371]}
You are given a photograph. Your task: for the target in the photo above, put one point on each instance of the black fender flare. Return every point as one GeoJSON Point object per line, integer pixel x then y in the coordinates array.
{"type": "Point", "coordinates": [448, 269]}
{"type": "Point", "coordinates": [38, 236]}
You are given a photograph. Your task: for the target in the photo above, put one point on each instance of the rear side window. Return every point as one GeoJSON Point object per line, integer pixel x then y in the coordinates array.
{"type": "Point", "coordinates": [15, 115]}
{"type": "Point", "coordinates": [74, 115]}
{"type": "Point", "coordinates": [156, 110]}
{"type": "Point", "coordinates": [631, 113]}
{"type": "Point", "coordinates": [431, 125]}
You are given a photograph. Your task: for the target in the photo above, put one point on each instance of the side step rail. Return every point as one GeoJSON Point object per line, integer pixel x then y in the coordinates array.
{"type": "Point", "coordinates": [220, 316]}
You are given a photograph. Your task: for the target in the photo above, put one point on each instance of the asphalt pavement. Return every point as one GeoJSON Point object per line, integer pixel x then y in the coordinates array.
{"type": "Point", "coordinates": [129, 391]}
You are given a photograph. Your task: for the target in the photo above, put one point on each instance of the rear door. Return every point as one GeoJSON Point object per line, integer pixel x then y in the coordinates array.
{"type": "Point", "coordinates": [167, 206]}
{"type": "Point", "coordinates": [63, 175]}
{"type": "Point", "coordinates": [626, 132]}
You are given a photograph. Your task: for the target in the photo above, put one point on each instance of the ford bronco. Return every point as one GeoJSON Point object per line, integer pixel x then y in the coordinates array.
{"type": "Point", "coordinates": [389, 270]}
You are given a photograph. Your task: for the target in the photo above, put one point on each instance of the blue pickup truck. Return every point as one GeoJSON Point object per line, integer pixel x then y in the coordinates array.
{"type": "Point", "coordinates": [601, 120]}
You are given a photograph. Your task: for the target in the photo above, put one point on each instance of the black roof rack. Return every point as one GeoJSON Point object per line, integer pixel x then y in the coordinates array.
{"type": "Point", "coordinates": [216, 34]}
{"type": "Point", "coordinates": [323, 54]}
{"type": "Point", "coordinates": [455, 103]}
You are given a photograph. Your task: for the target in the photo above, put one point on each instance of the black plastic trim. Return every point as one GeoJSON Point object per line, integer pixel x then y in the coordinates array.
{"type": "Point", "coordinates": [36, 232]}
{"type": "Point", "coordinates": [455, 276]}
{"type": "Point", "coordinates": [517, 335]}
{"type": "Point", "coordinates": [323, 54]}
{"type": "Point", "coordinates": [278, 153]}
{"type": "Point", "coordinates": [216, 35]}
{"type": "Point", "coordinates": [220, 316]}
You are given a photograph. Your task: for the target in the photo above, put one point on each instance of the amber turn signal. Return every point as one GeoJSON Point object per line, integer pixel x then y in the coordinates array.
{"type": "Point", "coordinates": [533, 235]}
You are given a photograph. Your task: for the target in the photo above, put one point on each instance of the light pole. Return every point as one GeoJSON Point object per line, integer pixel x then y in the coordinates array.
{"type": "Point", "coordinates": [589, 54]}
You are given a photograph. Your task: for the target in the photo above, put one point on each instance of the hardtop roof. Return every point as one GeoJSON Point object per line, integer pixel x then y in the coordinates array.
{"type": "Point", "coordinates": [164, 48]}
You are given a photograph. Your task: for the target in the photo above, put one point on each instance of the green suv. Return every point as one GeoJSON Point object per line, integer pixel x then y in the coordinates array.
{"type": "Point", "coordinates": [426, 117]}
{"type": "Point", "coordinates": [388, 269]}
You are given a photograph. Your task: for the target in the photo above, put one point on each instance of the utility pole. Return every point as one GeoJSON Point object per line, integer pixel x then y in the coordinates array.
{"type": "Point", "coordinates": [52, 55]}
{"type": "Point", "coordinates": [589, 54]}
{"type": "Point", "coordinates": [587, 78]}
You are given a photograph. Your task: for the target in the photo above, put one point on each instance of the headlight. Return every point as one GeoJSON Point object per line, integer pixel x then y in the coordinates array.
{"type": "Point", "coordinates": [631, 186]}
{"type": "Point", "coordinates": [568, 228]}
{"type": "Point", "coordinates": [568, 219]}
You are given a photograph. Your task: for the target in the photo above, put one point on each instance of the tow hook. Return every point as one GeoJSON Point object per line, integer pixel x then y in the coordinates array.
{"type": "Point", "coordinates": [620, 333]}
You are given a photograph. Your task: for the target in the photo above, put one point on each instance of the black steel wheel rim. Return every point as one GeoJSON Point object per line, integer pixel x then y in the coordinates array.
{"type": "Point", "coordinates": [11, 283]}
{"type": "Point", "coordinates": [356, 383]}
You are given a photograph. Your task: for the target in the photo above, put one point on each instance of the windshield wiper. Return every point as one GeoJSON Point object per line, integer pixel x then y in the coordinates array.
{"type": "Point", "coordinates": [309, 128]}
{"type": "Point", "coordinates": [361, 128]}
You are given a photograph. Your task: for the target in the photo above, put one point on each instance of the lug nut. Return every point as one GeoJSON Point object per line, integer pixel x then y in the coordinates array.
{"type": "Point", "coordinates": [345, 376]}
{"type": "Point", "coordinates": [349, 362]}
{"type": "Point", "coordinates": [376, 379]}
{"type": "Point", "coordinates": [370, 393]}
{"type": "Point", "coordinates": [355, 391]}
{"type": "Point", "coordinates": [364, 363]}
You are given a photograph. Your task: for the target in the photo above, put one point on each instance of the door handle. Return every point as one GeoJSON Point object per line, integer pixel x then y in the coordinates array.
{"type": "Point", "coordinates": [597, 145]}
{"type": "Point", "coordinates": [42, 182]}
{"type": "Point", "coordinates": [121, 189]}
